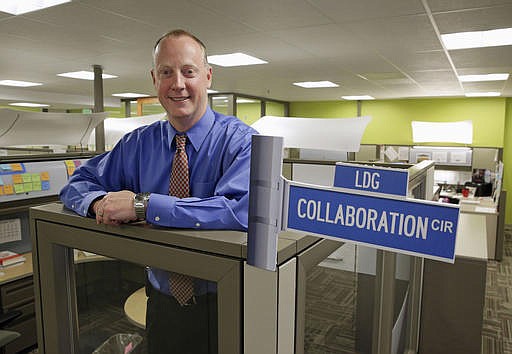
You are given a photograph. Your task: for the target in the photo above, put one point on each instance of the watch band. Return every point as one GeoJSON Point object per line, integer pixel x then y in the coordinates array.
{"type": "Point", "coordinates": [140, 204]}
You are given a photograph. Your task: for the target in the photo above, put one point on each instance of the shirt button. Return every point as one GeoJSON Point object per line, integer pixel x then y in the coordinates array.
{"type": "Point", "coordinates": [157, 218]}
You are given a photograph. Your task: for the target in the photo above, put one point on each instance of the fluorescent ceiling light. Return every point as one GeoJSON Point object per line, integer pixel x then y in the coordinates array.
{"type": "Point", "coordinates": [483, 94]}
{"type": "Point", "coordinates": [28, 104]}
{"type": "Point", "coordinates": [477, 39]}
{"type": "Point", "coordinates": [315, 84]}
{"type": "Point", "coordinates": [234, 59]}
{"type": "Point", "coordinates": [483, 77]}
{"type": "Point", "coordinates": [130, 95]}
{"type": "Point", "coordinates": [211, 91]}
{"type": "Point", "coordinates": [245, 100]}
{"type": "Point", "coordinates": [18, 7]}
{"type": "Point", "coordinates": [362, 97]}
{"type": "Point", "coordinates": [219, 98]}
{"type": "Point", "coordinates": [85, 75]}
{"type": "Point", "coordinates": [19, 83]}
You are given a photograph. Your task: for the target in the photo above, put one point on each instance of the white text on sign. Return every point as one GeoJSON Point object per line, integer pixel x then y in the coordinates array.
{"type": "Point", "coordinates": [368, 180]}
{"type": "Point", "coordinates": [389, 222]}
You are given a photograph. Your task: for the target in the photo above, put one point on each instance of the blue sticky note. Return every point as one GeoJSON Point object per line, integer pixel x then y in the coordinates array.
{"type": "Point", "coordinates": [1, 181]}
{"type": "Point", "coordinates": [45, 185]}
{"type": "Point", "coordinates": [5, 167]}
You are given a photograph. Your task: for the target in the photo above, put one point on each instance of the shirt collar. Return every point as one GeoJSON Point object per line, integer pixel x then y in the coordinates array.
{"type": "Point", "coordinates": [200, 130]}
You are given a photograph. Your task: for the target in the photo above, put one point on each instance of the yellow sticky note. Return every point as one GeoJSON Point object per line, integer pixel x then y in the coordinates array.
{"type": "Point", "coordinates": [27, 177]}
{"type": "Point", "coordinates": [16, 167]}
{"type": "Point", "coordinates": [69, 163]}
{"type": "Point", "coordinates": [36, 177]}
{"type": "Point", "coordinates": [8, 189]}
{"type": "Point", "coordinates": [71, 170]}
{"type": "Point", "coordinates": [45, 176]}
{"type": "Point", "coordinates": [19, 188]}
{"type": "Point", "coordinates": [1, 190]}
{"type": "Point", "coordinates": [17, 179]}
{"type": "Point", "coordinates": [36, 186]}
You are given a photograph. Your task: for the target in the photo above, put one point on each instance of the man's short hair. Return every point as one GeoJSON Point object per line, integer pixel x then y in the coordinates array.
{"type": "Point", "coordinates": [180, 33]}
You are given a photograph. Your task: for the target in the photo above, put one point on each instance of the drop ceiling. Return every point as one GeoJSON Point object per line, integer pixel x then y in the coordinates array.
{"type": "Point", "coordinates": [386, 49]}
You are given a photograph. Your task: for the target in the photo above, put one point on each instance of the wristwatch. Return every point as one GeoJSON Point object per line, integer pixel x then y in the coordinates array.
{"type": "Point", "coordinates": [140, 203]}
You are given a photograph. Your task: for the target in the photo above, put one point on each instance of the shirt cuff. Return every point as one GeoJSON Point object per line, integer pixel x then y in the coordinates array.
{"type": "Point", "coordinates": [158, 209]}
{"type": "Point", "coordinates": [88, 200]}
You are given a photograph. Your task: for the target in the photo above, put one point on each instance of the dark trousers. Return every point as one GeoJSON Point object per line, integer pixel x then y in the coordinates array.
{"type": "Point", "coordinates": [175, 329]}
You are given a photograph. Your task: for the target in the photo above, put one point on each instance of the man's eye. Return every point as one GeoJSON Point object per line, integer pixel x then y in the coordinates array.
{"type": "Point", "coordinates": [189, 72]}
{"type": "Point", "coordinates": [164, 73]}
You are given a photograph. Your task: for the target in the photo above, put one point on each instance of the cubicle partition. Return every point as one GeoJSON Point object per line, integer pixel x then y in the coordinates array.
{"type": "Point", "coordinates": [214, 256]}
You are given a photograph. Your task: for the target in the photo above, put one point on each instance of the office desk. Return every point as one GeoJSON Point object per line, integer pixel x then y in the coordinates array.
{"type": "Point", "coordinates": [135, 308]}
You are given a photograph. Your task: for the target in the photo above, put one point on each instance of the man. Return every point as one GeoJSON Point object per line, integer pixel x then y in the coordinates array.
{"type": "Point", "coordinates": [132, 182]}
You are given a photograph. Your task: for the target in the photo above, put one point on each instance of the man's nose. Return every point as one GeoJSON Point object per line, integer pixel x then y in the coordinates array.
{"type": "Point", "coordinates": [178, 83]}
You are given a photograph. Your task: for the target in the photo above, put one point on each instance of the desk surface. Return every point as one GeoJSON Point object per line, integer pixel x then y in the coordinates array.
{"type": "Point", "coordinates": [471, 239]}
{"type": "Point", "coordinates": [135, 308]}
{"type": "Point", "coordinates": [17, 271]}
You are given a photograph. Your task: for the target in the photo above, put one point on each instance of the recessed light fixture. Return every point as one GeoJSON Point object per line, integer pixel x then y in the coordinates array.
{"type": "Point", "coordinates": [19, 83]}
{"type": "Point", "coordinates": [234, 59]}
{"type": "Point", "coordinates": [211, 91]}
{"type": "Point", "coordinates": [315, 84]}
{"type": "Point", "coordinates": [360, 97]}
{"type": "Point", "coordinates": [483, 94]}
{"type": "Point", "coordinates": [477, 39]}
{"type": "Point", "coordinates": [85, 75]}
{"type": "Point", "coordinates": [28, 104]}
{"type": "Point", "coordinates": [245, 100]}
{"type": "Point", "coordinates": [130, 95]}
{"type": "Point", "coordinates": [483, 77]}
{"type": "Point", "coordinates": [18, 7]}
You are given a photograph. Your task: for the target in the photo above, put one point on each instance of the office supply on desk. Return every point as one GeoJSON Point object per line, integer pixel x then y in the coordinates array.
{"type": "Point", "coordinates": [9, 258]}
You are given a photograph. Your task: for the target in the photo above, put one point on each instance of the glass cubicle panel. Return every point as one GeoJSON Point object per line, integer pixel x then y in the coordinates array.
{"type": "Point", "coordinates": [111, 304]}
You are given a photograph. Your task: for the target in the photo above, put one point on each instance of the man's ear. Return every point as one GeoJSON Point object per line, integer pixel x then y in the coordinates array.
{"type": "Point", "coordinates": [153, 76]}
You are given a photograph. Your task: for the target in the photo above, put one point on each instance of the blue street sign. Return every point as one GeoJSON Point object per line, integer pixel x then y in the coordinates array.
{"type": "Point", "coordinates": [371, 179]}
{"type": "Point", "coordinates": [422, 228]}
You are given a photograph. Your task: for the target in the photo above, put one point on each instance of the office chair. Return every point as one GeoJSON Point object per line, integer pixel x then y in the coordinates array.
{"type": "Point", "coordinates": [6, 336]}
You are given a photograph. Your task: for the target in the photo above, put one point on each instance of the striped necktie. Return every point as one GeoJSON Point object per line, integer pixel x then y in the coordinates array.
{"type": "Point", "coordinates": [182, 286]}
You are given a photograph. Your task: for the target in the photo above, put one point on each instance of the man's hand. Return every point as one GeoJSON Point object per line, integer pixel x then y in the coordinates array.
{"type": "Point", "coordinates": [115, 208]}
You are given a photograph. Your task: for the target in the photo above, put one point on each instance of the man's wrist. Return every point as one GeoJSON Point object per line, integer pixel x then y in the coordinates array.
{"type": "Point", "coordinates": [140, 204]}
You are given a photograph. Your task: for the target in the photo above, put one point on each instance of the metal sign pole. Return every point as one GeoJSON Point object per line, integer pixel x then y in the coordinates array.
{"type": "Point", "coordinates": [265, 201]}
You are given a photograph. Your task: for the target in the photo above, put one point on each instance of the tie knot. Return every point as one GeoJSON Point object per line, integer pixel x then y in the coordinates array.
{"type": "Point", "coordinates": [181, 141]}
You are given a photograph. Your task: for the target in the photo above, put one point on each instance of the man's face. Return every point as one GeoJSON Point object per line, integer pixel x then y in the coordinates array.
{"type": "Point", "coordinates": [181, 79]}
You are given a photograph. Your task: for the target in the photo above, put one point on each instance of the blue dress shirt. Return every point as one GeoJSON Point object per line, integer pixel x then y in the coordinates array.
{"type": "Point", "coordinates": [218, 150]}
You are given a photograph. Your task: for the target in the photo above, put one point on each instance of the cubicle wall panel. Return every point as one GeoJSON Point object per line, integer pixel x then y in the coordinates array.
{"type": "Point", "coordinates": [54, 244]}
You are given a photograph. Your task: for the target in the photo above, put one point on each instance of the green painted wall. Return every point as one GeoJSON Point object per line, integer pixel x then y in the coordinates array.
{"type": "Point", "coordinates": [507, 159]}
{"type": "Point", "coordinates": [391, 119]}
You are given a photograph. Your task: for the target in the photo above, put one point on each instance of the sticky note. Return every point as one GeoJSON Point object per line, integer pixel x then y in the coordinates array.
{"type": "Point", "coordinates": [8, 189]}
{"type": "Point", "coordinates": [5, 167]}
{"type": "Point", "coordinates": [69, 163]}
{"type": "Point", "coordinates": [27, 186]}
{"type": "Point", "coordinates": [36, 186]}
{"type": "Point", "coordinates": [1, 190]}
{"type": "Point", "coordinates": [16, 167]}
{"type": "Point", "coordinates": [45, 185]}
{"type": "Point", "coordinates": [27, 177]}
{"type": "Point", "coordinates": [17, 179]}
{"type": "Point", "coordinates": [1, 181]}
{"type": "Point", "coordinates": [18, 188]}
{"type": "Point", "coordinates": [45, 176]}
{"type": "Point", "coordinates": [77, 163]}
{"type": "Point", "coordinates": [36, 177]}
